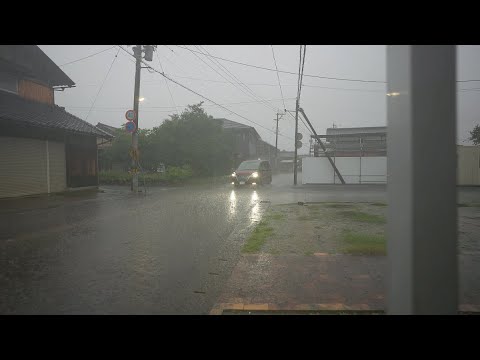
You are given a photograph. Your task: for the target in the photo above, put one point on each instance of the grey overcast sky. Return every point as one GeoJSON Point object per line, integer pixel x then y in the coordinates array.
{"type": "Point", "coordinates": [326, 102]}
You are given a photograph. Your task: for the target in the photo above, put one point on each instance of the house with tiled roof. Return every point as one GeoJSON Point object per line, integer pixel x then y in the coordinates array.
{"type": "Point", "coordinates": [44, 148]}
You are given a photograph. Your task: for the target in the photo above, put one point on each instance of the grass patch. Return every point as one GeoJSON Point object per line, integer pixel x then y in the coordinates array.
{"type": "Point", "coordinates": [378, 204]}
{"type": "Point", "coordinates": [258, 238]}
{"type": "Point", "coordinates": [363, 217]}
{"type": "Point", "coordinates": [275, 216]}
{"type": "Point", "coordinates": [304, 217]}
{"type": "Point", "coordinates": [364, 244]}
{"type": "Point", "coordinates": [338, 206]}
{"type": "Point", "coordinates": [309, 253]}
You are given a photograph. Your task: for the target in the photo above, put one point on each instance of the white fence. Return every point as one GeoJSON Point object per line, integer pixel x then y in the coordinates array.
{"type": "Point", "coordinates": [354, 170]}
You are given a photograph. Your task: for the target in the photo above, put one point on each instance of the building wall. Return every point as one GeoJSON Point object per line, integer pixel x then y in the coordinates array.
{"type": "Point", "coordinates": [468, 165]}
{"type": "Point", "coordinates": [354, 170]}
{"type": "Point", "coordinates": [36, 92]}
{"type": "Point", "coordinates": [372, 169]}
{"type": "Point", "coordinates": [57, 166]}
{"type": "Point", "coordinates": [26, 169]}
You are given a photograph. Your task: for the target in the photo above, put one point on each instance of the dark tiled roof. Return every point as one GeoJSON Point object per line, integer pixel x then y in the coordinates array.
{"type": "Point", "coordinates": [32, 61]}
{"type": "Point", "coordinates": [34, 114]}
{"type": "Point", "coordinates": [107, 128]}
{"type": "Point", "coordinates": [229, 124]}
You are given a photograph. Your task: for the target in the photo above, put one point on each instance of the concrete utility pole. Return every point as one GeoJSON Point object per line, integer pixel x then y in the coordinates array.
{"type": "Point", "coordinates": [276, 139]}
{"type": "Point", "coordinates": [295, 158]}
{"type": "Point", "coordinates": [137, 51]}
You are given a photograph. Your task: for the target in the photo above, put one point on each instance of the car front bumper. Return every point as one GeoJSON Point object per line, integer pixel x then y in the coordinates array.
{"type": "Point", "coordinates": [242, 180]}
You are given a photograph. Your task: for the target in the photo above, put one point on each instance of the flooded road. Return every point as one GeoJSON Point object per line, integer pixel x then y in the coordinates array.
{"type": "Point", "coordinates": [169, 252]}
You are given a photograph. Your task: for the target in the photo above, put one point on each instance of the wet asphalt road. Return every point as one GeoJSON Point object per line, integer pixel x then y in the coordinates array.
{"type": "Point", "coordinates": [169, 252]}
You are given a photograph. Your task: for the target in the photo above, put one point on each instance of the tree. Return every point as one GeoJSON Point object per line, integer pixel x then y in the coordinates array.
{"type": "Point", "coordinates": [192, 138]}
{"type": "Point", "coordinates": [475, 135]}
{"type": "Point", "coordinates": [119, 151]}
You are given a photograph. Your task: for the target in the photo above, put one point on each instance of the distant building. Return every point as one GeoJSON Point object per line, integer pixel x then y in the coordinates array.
{"type": "Point", "coordinates": [358, 141]}
{"type": "Point", "coordinates": [108, 129]}
{"type": "Point", "coordinates": [103, 163]}
{"type": "Point", "coordinates": [246, 143]}
{"type": "Point", "coordinates": [44, 148]}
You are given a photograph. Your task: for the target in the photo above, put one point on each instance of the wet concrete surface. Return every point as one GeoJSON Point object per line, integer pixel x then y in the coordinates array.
{"type": "Point", "coordinates": [170, 251]}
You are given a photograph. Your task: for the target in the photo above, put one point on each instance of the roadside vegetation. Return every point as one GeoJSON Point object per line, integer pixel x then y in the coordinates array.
{"type": "Point", "coordinates": [258, 237]}
{"type": "Point", "coordinates": [363, 244]}
{"type": "Point", "coordinates": [321, 228]}
{"type": "Point", "coordinates": [362, 217]}
{"type": "Point", "coordinates": [190, 144]}
{"type": "Point", "coordinates": [173, 175]}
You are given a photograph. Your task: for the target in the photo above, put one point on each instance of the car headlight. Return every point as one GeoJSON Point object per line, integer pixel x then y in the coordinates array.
{"type": "Point", "coordinates": [255, 175]}
{"type": "Point", "coordinates": [234, 174]}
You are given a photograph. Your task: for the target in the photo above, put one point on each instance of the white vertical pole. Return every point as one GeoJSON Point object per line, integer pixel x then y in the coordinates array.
{"type": "Point", "coordinates": [422, 212]}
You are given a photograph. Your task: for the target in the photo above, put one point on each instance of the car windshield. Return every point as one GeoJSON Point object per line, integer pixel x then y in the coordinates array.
{"type": "Point", "coordinates": [249, 165]}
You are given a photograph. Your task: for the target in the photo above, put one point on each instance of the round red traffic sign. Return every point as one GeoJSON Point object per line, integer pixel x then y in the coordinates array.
{"type": "Point", "coordinates": [130, 127]}
{"type": "Point", "coordinates": [131, 115]}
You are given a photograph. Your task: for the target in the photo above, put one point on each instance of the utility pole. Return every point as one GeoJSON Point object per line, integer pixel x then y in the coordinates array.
{"type": "Point", "coordinates": [279, 116]}
{"type": "Point", "coordinates": [137, 51]}
{"type": "Point", "coordinates": [295, 158]}
{"type": "Point", "coordinates": [276, 139]}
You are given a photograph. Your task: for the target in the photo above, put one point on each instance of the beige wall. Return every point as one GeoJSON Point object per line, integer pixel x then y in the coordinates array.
{"type": "Point", "coordinates": [468, 165]}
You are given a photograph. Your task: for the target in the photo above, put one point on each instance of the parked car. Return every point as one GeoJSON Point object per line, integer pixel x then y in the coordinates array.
{"type": "Point", "coordinates": [252, 172]}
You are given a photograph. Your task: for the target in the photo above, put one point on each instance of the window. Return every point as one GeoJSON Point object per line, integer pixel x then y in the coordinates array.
{"type": "Point", "coordinates": [8, 82]}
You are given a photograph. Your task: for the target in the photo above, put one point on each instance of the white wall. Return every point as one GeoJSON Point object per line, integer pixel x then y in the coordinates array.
{"type": "Point", "coordinates": [374, 169]}
{"type": "Point", "coordinates": [316, 170]}
{"type": "Point", "coordinates": [354, 170]}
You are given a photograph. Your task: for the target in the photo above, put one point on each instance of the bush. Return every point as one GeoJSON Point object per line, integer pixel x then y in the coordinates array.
{"type": "Point", "coordinates": [173, 175]}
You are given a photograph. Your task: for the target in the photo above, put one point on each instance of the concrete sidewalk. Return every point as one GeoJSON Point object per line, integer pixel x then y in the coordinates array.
{"type": "Point", "coordinates": [323, 282]}
{"type": "Point", "coordinates": [333, 281]}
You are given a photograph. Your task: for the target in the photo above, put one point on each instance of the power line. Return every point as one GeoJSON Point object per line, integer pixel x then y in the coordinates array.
{"type": "Point", "coordinates": [86, 57]}
{"type": "Point", "coordinates": [237, 80]}
{"type": "Point", "coordinates": [292, 73]}
{"type": "Point", "coordinates": [171, 107]}
{"type": "Point", "coordinates": [241, 82]}
{"type": "Point", "coordinates": [278, 76]}
{"type": "Point", "coordinates": [166, 83]}
{"type": "Point", "coordinates": [261, 84]}
{"type": "Point", "coordinates": [210, 66]}
{"type": "Point", "coordinates": [263, 68]}
{"type": "Point", "coordinates": [103, 83]}
{"type": "Point", "coordinates": [303, 122]}
{"type": "Point", "coordinates": [204, 97]}
{"type": "Point", "coordinates": [283, 85]}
